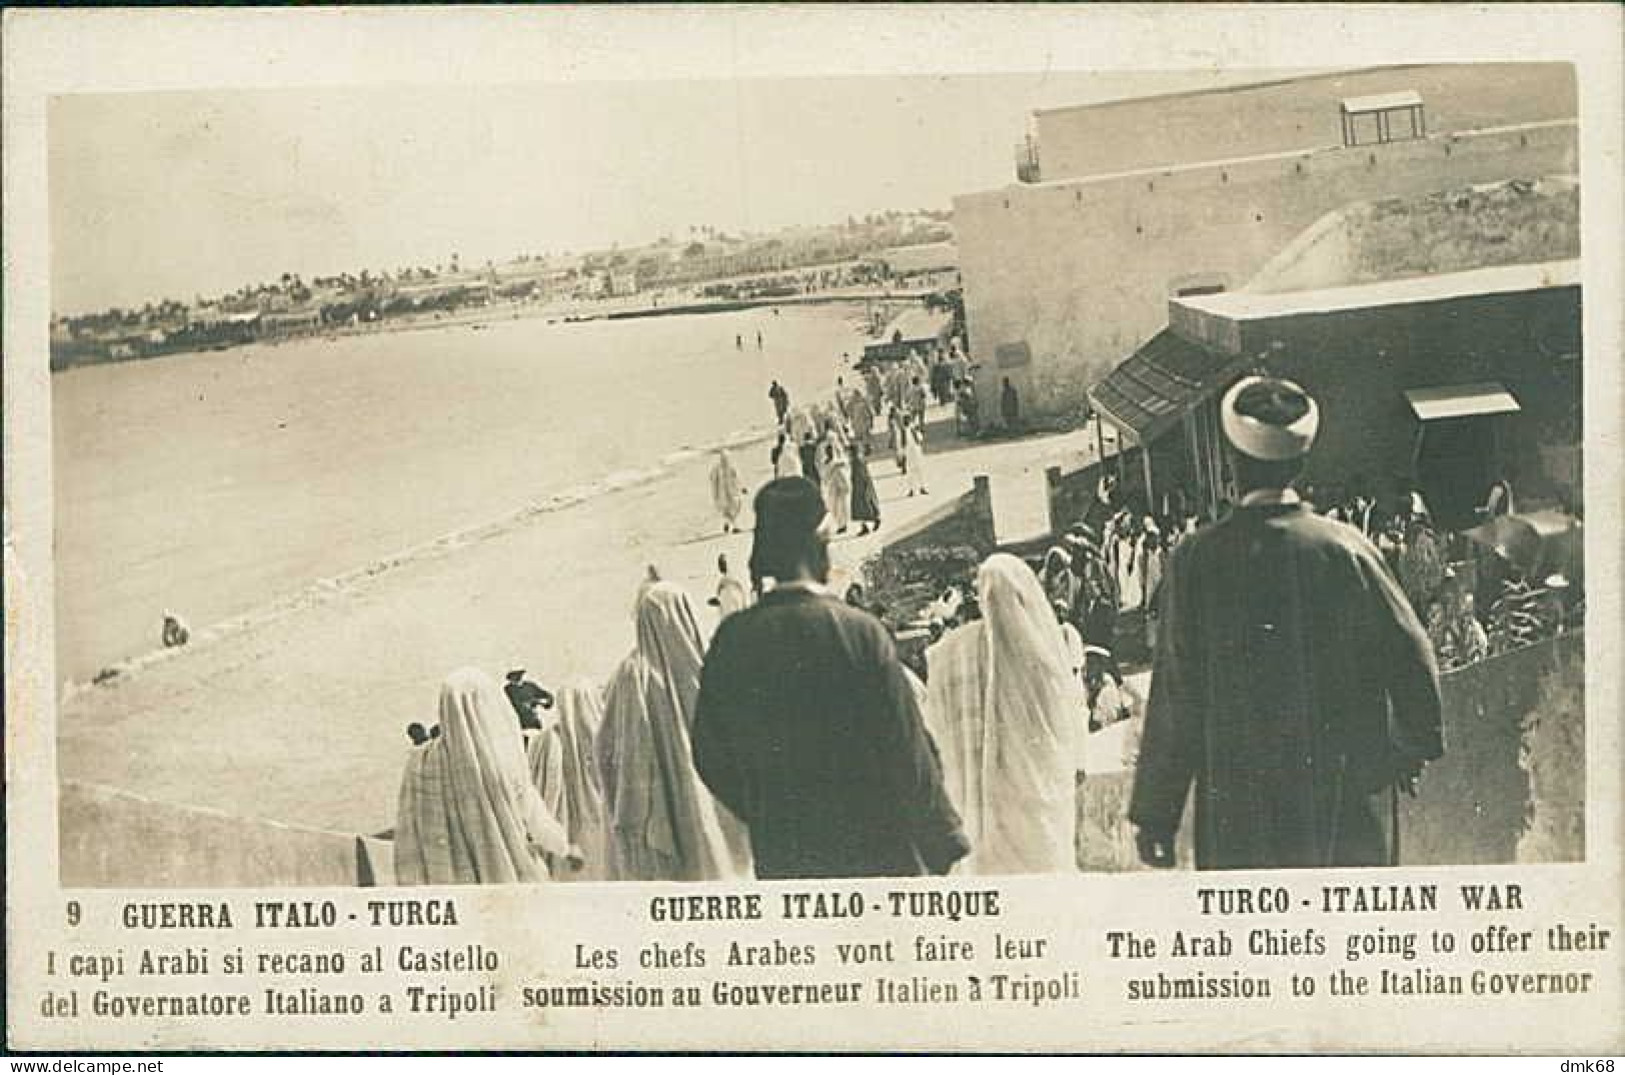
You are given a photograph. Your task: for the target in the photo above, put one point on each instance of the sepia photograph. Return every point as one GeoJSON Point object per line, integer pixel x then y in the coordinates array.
{"type": "Point", "coordinates": [482, 485]}
{"type": "Point", "coordinates": [1082, 541]}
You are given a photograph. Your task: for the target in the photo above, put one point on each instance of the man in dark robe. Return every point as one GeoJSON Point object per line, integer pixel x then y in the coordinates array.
{"type": "Point", "coordinates": [865, 501]}
{"type": "Point", "coordinates": [807, 727]}
{"type": "Point", "coordinates": [781, 401]}
{"type": "Point", "coordinates": [526, 697]}
{"type": "Point", "coordinates": [1285, 643]}
{"type": "Point", "coordinates": [809, 459]}
{"type": "Point", "coordinates": [1009, 405]}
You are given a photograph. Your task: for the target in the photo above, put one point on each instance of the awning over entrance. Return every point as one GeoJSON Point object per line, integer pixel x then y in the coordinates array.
{"type": "Point", "coordinates": [1461, 401]}
{"type": "Point", "coordinates": [1154, 387]}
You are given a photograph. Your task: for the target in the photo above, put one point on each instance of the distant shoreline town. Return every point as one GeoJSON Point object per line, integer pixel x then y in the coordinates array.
{"type": "Point", "coordinates": [888, 255]}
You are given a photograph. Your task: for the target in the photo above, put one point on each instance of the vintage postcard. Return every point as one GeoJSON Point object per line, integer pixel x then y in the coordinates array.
{"type": "Point", "coordinates": [1031, 528]}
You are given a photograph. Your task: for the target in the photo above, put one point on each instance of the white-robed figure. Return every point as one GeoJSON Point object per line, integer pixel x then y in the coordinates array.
{"type": "Point", "coordinates": [1126, 559]}
{"type": "Point", "coordinates": [732, 595]}
{"type": "Point", "coordinates": [665, 825]}
{"type": "Point", "coordinates": [786, 458]}
{"type": "Point", "coordinates": [565, 770]}
{"type": "Point", "coordinates": [914, 456]}
{"type": "Point", "coordinates": [1003, 708]}
{"type": "Point", "coordinates": [837, 475]}
{"type": "Point", "coordinates": [469, 812]}
{"type": "Point", "coordinates": [727, 492]}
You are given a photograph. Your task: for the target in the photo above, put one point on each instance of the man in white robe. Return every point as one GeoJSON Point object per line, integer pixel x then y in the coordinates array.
{"type": "Point", "coordinates": [837, 486]}
{"type": "Point", "coordinates": [727, 491]}
{"type": "Point", "coordinates": [732, 595]}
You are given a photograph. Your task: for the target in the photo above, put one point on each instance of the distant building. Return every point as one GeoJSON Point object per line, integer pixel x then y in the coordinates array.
{"type": "Point", "coordinates": [921, 260]}
{"type": "Point", "coordinates": [1125, 205]}
{"type": "Point", "coordinates": [290, 322]}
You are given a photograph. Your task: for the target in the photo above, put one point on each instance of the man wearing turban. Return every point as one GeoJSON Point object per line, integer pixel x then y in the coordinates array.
{"type": "Point", "coordinates": [1283, 647]}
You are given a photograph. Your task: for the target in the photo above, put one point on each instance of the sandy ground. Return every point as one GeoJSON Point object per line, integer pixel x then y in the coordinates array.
{"type": "Point", "coordinates": [302, 720]}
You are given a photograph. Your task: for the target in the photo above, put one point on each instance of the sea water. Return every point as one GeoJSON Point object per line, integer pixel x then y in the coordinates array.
{"type": "Point", "coordinates": [212, 484]}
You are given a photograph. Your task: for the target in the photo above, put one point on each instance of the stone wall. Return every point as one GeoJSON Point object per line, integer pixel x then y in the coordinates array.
{"type": "Point", "coordinates": [112, 839]}
{"type": "Point", "coordinates": [1554, 756]}
{"type": "Point", "coordinates": [1066, 279]}
{"type": "Point", "coordinates": [1510, 787]}
{"type": "Point", "coordinates": [1458, 230]}
{"type": "Point", "coordinates": [1477, 802]}
{"type": "Point", "coordinates": [1292, 114]}
{"type": "Point", "coordinates": [966, 520]}
{"type": "Point", "coordinates": [1358, 362]}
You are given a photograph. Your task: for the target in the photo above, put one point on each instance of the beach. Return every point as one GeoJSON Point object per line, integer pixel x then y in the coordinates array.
{"type": "Point", "coordinates": [214, 484]}
{"type": "Point", "coordinates": [293, 706]}
{"type": "Point", "coordinates": [302, 719]}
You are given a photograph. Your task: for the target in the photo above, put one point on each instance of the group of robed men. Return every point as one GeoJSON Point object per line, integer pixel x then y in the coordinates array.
{"type": "Point", "coordinates": [1291, 686]}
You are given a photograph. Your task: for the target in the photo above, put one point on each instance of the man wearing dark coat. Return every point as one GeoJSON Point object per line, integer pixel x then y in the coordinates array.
{"type": "Point", "coordinates": [807, 727]}
{"type": "Point", "coordinates": [809, 459]}
{"type": "Point", "coordinates": [1292, 683]}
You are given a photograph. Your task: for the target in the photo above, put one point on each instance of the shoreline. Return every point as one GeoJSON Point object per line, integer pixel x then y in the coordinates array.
{"type": "Point", "coordinates": [331, 587]}
{"type": "Point", "coordinates": [484, 316]}
{"type": "Point", "coordinates": [298, 716]}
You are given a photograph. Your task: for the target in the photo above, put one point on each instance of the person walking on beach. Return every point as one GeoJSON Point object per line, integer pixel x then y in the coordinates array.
{"type": "Point", "coordinates": [731, 595]}
{"type": "Point", "coordinates": [874, 390]}
{"type": "Point", "coordinates": [809, 459]}
{"type": "Point", "coordinates": [727, 491]}
{"type": "Point", "coordinates": [899, 446]}
{"type": "Point", "coordinates": [807, 725]}
{"type": "Point", "coordinates": [781, 401]}
{"type": "Point", "coordinates": [1292, 681]}
{"type": "Point", "coordinates": [865, 501]}
{"type": "Point", "coordinates": [837, 485]}
{"type": "Point", "coordinates": [468, 811]}
{"type": "Point", "coordinates": [758, 339]}
{"type": "Point", "coordinates": [914, 456]}
{"type": "Point", "coordinates": [897, 387]}
{"type": "Point", "coordinates": [860, 417]}
{"type": "Point", "coordinates": [917, 401]}
{"type": "Point", "coordinates": [786, 457]}
{"type": "Point", "coordinates": [665, 825]}
{"type": "Point", "coordinates": [1003, 706]}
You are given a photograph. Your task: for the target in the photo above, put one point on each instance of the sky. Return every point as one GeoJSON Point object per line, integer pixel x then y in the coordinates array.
{"type": "Point", "coordinates": [177, 195]}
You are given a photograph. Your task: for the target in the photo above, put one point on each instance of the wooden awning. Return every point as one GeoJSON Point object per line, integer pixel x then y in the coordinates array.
{"type": "Point", "coordinates": [1158, 384]}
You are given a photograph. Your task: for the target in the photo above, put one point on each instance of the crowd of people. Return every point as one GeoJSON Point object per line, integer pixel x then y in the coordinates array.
{"type": "Point", "coordinates": [831, 442]}
{"type": "Point", "coordinates": [1297, 653]}
{"type": "Point", "coordinates": [789, 742]}
{"type": "Point", "coordinates": [1476, 601]}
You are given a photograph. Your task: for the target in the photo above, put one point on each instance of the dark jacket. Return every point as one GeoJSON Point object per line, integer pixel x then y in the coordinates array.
{"type": "Point", "coordinates": [809, 461]}
{"type": "Point", "coordinates": [1284, 641]}
{"type": "Point", "coordinates": [808, 730]}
